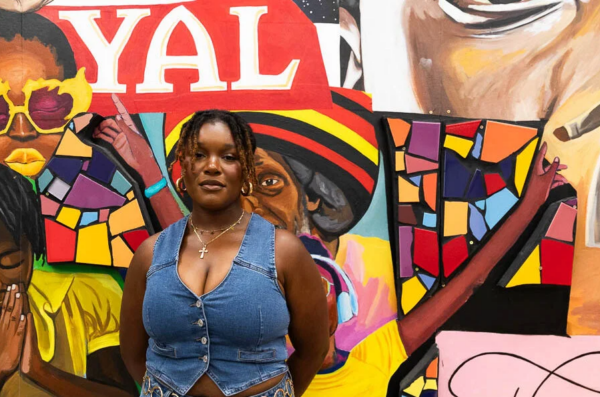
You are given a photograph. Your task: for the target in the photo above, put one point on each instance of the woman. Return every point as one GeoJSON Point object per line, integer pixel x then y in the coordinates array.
{"type": "Point", "coordinates": [56, 338]}
{"type": "Point", "coordinates": [194, 324]}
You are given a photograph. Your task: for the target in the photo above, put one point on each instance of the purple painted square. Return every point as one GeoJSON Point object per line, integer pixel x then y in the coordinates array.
{"type": "Point", "coordinates": [425, 140]}
{"type": "Point", "coordinates": [405, 240]}
{"type": "Point", "coordinates": [87, 193]}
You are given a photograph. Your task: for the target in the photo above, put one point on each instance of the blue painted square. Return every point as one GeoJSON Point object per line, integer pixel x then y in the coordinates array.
{"type": "Point", "coordinates": [45, 179]}
{"type": "Point", "coordinates": [429, 219]}
{"type": "Point", "coordinates": [87, 218]}
{"type": "Point", "coordinates": [101, 167]}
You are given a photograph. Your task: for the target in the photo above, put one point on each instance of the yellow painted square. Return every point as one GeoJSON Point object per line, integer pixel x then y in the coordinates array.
{"type": "Point", "coordinates": [412, 292]}
{"type": "Point", "coordinates": [130, 195]}
{"type": "Point", "coordinates": [459, 145]}
{"type": "Point", "coordinates": [69, 217]}
{"type": "Point", "coordinates": [400, 165]}
{"type": "Point", "coordinates": [121, 253]}
{"type": "Point", "coordinates": [455, 218]}
{"type": "Point", "coordinates": [126, 218]}
{"type": "Point", "coordinates": [529, 272]}
{"type": "Point", "coordinates": [407, 192]}
{"type": "Point", "coordinates": [92, 245]}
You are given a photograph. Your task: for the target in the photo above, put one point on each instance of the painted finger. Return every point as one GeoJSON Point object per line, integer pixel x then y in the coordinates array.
{"type": "Point", "coordinates": [3, 312]}
{"type": "Point", "coordinates": [21, 325]}
{"type": "Point", "coordinates": [539, 159]}
{"type": "Point", "coordinates": [105, 138]}
{"type": "Point", "coordinates": [109, 126]}
{"type": "Point", "coordinates": [18, 308]}
{"type": "Point", "coordinates": [124, 113]}
{"type": "Point", "coordinates": [13, 293]}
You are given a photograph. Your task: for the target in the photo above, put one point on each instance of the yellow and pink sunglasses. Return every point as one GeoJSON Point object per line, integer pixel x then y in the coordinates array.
{"type": "Point", "coordinates": [49, 104]}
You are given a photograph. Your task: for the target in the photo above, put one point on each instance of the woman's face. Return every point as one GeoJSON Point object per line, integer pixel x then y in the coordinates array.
{"type": "Point", "coordinates": [213, 175]}
{"type": "Point", "coordinates": [277, 197]}
{"type": "Point", "coordinates": [22, 147]}
{"type": "Point", "coordinates": [16, 261]}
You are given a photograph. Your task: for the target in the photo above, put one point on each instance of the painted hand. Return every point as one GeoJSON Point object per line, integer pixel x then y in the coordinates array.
{"type": "Point", "coordinates": [124, 137]}
{"type": "Point", "coordinates": [542, 179]}
{"type": "Point", "coordinates": [12, 330]}
{"type": "Point", "coordinates": [31, 358]}
{"type": "Point", "coordinates": [23, 5]}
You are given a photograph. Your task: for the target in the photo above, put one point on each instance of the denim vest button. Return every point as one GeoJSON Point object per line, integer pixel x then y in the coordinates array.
{"type": "Point", "coordinates": [198, 303]}
{"type": "Point", "coordinates": [204, 358]}
{"type": "Point", "coordinates": [200, 323]}
{"type": "Point", "coordinates": [204, 340]}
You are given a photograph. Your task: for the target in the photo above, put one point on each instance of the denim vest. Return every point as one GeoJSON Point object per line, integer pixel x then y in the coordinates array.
{"type": "Point", "coordinates": [235, 333]}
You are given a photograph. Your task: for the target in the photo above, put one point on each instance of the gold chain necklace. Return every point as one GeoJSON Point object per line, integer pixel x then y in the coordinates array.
{"type": "Point", "coordinates": [204, 245]}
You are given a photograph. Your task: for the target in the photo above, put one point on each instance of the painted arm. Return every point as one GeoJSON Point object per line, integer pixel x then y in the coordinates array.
{"type": "Point", "coordinates": [307, 304]}
{"type": "Point", "coordinates": [122, 134]}
{"type": "Point", "coordinates": [54, 380]}
{"type": "Point", "coordinates": [420, 324]}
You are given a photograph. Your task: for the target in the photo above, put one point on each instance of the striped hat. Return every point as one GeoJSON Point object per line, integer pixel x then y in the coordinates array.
{"type": "Point", "coordinates": [340, 143]}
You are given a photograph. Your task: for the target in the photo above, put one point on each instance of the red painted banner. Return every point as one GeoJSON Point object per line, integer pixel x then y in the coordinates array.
{"type": "Point", "coordinates": [242, 54]}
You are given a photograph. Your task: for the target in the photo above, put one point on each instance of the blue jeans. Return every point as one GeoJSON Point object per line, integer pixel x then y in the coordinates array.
{"type": "Point", "coordinates": [152, 388]}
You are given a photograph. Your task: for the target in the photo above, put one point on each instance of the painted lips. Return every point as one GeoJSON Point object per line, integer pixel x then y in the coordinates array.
{"type": "Point", "coordinates": [28, 162]}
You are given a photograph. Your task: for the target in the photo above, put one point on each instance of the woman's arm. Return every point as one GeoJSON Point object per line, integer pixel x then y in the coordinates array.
{"type": "Point", "coordinates": [134, 339]}
{"type": "Point", "coordinates": [420, 324]}
{"type": "Point", "coordinates": [307, 304]}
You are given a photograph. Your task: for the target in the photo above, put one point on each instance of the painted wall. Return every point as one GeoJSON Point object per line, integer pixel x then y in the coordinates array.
{"type": "Point", "coordinates": [400, 140]}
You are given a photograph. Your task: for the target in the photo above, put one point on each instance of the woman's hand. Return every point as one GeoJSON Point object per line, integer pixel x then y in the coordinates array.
{"type": "Point", "coordinates": [124, 137]}
{"type": "Point", "coordinates": [12, 330]}
{"type": "Point", "coordinates": [31, 359]}
{"type": "Point", "coordinates": [542, 180]}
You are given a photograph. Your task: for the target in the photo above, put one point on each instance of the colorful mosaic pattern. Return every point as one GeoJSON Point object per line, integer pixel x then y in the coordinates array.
{"type": "Point", "coordinates": [547, 257]}
{"type": "Point", "coordinates": [426, 384]}
{"type": "Point", "coordinates": [417, 171]}
{"type": "Point", "coordinates": [91, 208]}
{"type": "Point", "coordinates": [482, 167]}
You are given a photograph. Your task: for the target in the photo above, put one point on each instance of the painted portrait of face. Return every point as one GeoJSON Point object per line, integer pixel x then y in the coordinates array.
{"type": "Point", "coordinates": [40, 91]}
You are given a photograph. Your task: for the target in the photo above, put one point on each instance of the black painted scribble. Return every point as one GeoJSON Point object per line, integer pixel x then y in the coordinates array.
{"type": "Point", "coordinates": [550, 372]}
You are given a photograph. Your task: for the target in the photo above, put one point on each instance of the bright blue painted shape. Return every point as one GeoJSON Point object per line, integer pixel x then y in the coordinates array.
{"type": "Point", "coordinates": [45, 179]}
{"type": "Point", "coordinates": [120, 184]}
{"type": "Point", "coordinates": [416, 180]}
{"type": "Point", "coordinates": [427, 280]}
{"type": "Point", "coordinates": [87, 218]}
{"type": "Point", "coordinates": [429, 219]}
{"type": "Point", "coordinates": [478, 143]}
{"type": "Point", "coordinates": [480, 204]}
{"type": "Point", "coordinates": [498, 205]}
{"type": "Point", "coordinates": [476, 223]}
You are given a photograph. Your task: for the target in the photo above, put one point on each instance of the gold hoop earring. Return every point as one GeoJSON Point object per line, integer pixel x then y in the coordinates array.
{"type": "Point", "coordinates": [180, 186]}
{"type": "Point", "coordinates": [249, 191]}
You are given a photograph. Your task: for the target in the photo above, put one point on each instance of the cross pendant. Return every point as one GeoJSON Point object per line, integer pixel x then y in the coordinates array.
{"type": "Point", "coordinates": [202, 252]}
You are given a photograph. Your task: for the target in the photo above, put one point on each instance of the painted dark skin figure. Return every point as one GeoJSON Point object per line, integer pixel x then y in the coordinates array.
{"type": "Point", "coordinates": [282, 187]}
{"type": "Point", "coordinates": [220, 159]}
{"type": "Point", "coordinates": [21, 237]}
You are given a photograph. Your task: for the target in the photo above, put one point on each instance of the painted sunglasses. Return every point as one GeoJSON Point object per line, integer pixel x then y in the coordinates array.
{"type": "Point", "coordinates": [49, 104]}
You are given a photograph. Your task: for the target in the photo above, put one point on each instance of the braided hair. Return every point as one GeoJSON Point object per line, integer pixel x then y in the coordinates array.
{"type": "Point", "coordinates": [245, 141]}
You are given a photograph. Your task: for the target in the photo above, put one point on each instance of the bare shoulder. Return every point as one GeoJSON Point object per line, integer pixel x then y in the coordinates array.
{"type": "Point", "coordinates": [287, 244]}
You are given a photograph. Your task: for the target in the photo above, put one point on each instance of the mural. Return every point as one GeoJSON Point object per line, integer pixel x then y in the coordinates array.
{"type": "Point", "coordinates": [438, 160]}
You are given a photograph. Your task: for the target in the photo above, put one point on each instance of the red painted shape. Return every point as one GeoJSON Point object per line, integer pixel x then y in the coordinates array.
{"type": "Point", "coordinates": [60, 242]}
{"type": "Point", "coordinates": [455, 252]}
{"type": "Point", "coordinates": [493, 183]}
{"type": "Point", "coordinates": [426, 252]}
{"type": "Point", "coordinates": [467, 130]}
{"type": "Point", "coordinates": [135, 238]}
{"type": "Point", "coordinates": [557, 262]}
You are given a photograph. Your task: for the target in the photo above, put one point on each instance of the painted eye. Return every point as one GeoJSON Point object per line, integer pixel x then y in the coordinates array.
{"type": "Point", "coordinates": [498, 16]}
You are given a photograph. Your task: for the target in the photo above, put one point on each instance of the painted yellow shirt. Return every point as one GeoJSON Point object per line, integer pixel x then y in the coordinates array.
{"type": "Point", "coordinates": [75, 315]}
{"type": "Point", "coordinates": [367, 371]}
